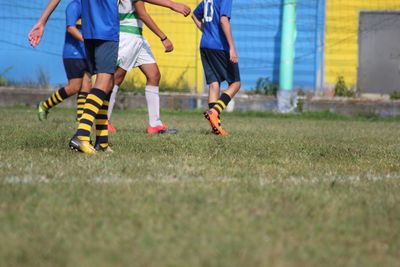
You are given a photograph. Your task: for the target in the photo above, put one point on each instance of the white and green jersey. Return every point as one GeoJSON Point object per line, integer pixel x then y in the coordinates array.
{"type": "Point", "coordinates": [129, 21]}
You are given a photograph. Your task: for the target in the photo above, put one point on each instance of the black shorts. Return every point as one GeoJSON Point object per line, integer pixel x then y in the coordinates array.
{"type": "Point", "coordinates": [75, 68]}
{"type": "Point", "coordinates": [218, 67]}
{"type": "Point", "coordinates": [102, 55]}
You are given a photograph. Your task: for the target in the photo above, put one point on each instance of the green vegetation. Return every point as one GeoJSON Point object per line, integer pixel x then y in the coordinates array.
{"type": "Point", "coordinates": [395, 95]}
{"type": "Point", "coordinates": [3, 80]}
{"type": "Point", "coordinates": [264, 86]}
{"type": "Point", "coordinates": [314, 189]}
{"type": "Point", "coordinates": [341, 88]}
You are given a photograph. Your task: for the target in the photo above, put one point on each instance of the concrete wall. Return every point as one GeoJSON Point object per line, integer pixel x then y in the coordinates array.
{"type": "Point", "coordinates": [341, 42]}
{"type": "Point", "coordinates": [349, 106]}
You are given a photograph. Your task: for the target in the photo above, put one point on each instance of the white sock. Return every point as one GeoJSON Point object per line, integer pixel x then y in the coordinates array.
{"type": "Point", "coordinates": [112, 101]}
{"type": "Point", "coordinates": [153, 105]}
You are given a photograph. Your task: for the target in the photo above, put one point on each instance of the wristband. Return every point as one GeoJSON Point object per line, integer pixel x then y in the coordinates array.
{"type": "Point", "coordinates": [163, 39]}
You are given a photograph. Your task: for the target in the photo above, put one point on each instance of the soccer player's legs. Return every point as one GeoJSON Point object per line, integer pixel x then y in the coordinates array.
{"type": "Point", "coordinates": [119, 77]}
{"type": "Point", "coordinates": [213, 93]}
{"type": "Point", "coordinates": [214, 79]}
{"type": "Point", "coordinates": [147, 64]}
{"type": "Point", "coordinates": [233, 78]}
{"type": "Point", "coordinates": [75, 69]}
{"type": "Point", "coordinates": [128, 51]}
{"type": "Point", "coordinates": [153, 76]}
{"type": "Point", "coordinates": [102, 57]}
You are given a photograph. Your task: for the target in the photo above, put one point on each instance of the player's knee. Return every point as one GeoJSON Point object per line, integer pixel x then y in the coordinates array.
{"type": "Point", "coordinates": [214, 87]}
{"type": "Point", "coordinates": [73, 88]}
{"type": "Point", "coordinates": [154, 78]}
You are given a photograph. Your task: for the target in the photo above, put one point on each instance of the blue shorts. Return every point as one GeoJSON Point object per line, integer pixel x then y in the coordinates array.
{"type": "Point", "coordinates": [218, 67]}
{"type": "Point", "coordinates": [102, 55]}
{"type": "Point", "coordinates": [75, 68]}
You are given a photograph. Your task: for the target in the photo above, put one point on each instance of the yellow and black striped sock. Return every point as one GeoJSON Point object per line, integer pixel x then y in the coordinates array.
{"type": "Point", "coordinates": [80, 102]}
{"type": "Point", "coordinates": [222, 102]}
{"type": "Point", "coordinates": [101, 122]}
{"type": "Point", "coordinates": [93, 103]}
{"type": "Point", "coordinates": [211, 105]}
{"type": "Point", "coordinates": [56, 98]}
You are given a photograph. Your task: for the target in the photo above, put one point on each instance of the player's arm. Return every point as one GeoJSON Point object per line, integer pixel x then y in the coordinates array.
{"type": "Point", "coordinates": [226, 10]}
{"type": "Point", "coordinates": [198, 15]}
{"type": "Point", "coordinates": [199, 23]}
{"type": "Point", "coordinates": [35, 35]}
{"type": "Point", "coordinates": [73, 30]}
{"type": "Point", "coordinates": [175, 6]}
{"type": "Point", "coordinates": [146, 18]}
{"type": "Point", "coordinates": [226, 28]}
{"type": "Point", "coordinates": [73, 14]}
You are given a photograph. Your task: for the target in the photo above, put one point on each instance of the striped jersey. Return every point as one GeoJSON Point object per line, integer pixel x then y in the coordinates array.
{"type": "Point", "coordinates": [128, 19]}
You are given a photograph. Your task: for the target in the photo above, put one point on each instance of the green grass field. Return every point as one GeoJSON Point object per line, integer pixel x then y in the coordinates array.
{"type": "Point", "coordinates": [298, 190]}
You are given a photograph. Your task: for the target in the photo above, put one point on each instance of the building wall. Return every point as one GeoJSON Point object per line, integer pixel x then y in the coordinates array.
{"type": "Point", "coordinates": [341, 42]}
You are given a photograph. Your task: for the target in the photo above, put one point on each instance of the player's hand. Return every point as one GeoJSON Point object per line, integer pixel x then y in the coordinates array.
{"type": "Point", "coordinates": [233, 56]}
{"type": "Point", "coordinates": [169, 47]}
{"type": "Point", "coordinates": [181, 8]}
{"type": "Point", "coordinates": [35, 35]}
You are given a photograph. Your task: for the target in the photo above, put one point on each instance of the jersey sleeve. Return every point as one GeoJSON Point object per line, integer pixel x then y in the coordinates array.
{"type": "Point", "coordinates": [226, 8]}
{"type": "Point", "coordinates": [199, 11]}
{"type": "Point", "coordinates": [73, 13]}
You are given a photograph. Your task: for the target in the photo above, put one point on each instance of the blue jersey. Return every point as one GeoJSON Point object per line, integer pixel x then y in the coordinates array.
{"type": "Point", "coordinates": [72, 47]}
{"type": "Point", "coordinates": [100, 20]}
{"type": "Point", "coordinates": [211, 11]}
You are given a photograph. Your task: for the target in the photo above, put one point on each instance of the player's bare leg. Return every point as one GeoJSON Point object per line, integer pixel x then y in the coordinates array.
{"type": "Point", "coordinates": [213, 92]}
{"type": "Point", "coordinates": [213, 96]}
{"type": "Point", "coordinates": [95, 105]}
{"type": "Point", "coordinates": [73, 87]}
{"type": "Point", "coordinates": [233, 89]}
{"type": "Point", "coordinates": [153, 76]}
{"type": "Point", "coordinates": [119, 77]}
{"type": "Point", "coordinates": [213, 114]}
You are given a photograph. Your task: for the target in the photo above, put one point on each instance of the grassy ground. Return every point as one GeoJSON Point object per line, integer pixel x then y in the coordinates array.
{"type": "Point", "coordinates": [309, 190]}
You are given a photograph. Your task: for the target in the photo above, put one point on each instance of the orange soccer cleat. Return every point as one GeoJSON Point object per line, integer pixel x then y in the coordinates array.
{"type": "Point", "coordinates": [213, 117]}
{"type": "Point", "coordinates": [161, 129]}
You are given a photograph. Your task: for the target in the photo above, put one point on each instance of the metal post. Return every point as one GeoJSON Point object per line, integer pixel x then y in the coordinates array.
{"type": "Point", "coordinates": [285, 94]}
